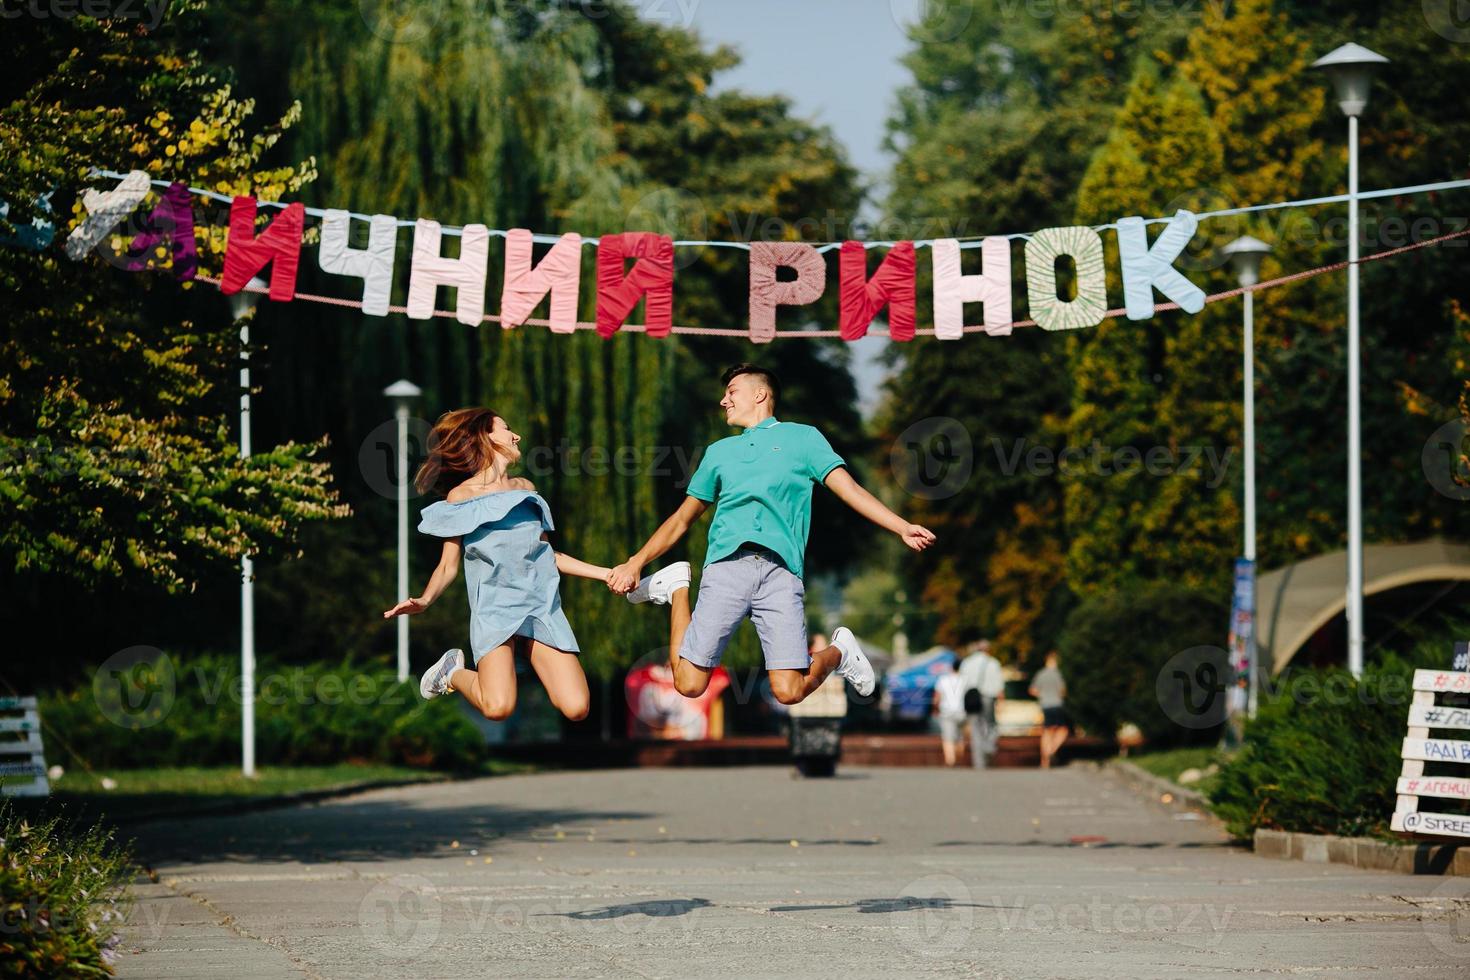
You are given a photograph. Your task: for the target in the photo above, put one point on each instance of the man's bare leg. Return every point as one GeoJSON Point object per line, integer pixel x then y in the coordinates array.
{"type": "Point", "coordinates": [690, 679]}
{"type": "Point", "coordinates": [793, 686]}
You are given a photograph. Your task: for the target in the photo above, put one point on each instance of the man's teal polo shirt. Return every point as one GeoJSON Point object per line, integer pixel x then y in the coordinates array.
{"type": "Point", "coordinates": [761, 485]}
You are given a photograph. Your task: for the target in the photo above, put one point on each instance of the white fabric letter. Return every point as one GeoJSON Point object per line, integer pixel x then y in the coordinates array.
{"type": "Point", "coordinates": [953, 289]}
{"type": "Point", "coordinates": [105, 209]}
{"type": "Point", "coordinates": [1146, 269]}
{"type": "Point", "coordinates": [432, 270]}
{"type": "Point", "coordinates": [373, 265]}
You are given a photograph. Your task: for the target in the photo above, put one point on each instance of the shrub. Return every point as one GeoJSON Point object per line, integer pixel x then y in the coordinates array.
{"type": "Point", "coordinates": [1113, 649]}
{"type": "Point", "coordinates": [175, 712]}
{"type": "Point", "coordinates": [61, 894]}
{"type": "Point", "coordinates": [1322, 754]}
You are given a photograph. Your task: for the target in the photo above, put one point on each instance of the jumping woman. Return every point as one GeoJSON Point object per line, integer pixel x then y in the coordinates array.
{"type": "Point", "coordinates": [497, 523]}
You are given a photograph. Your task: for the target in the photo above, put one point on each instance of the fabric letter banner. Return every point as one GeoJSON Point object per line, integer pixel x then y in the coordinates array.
{"type": "Point", "coordinates": [953, 289]}
{"type": "Point", "coordinates": [172, 221]}
{"type": "Point", "coordinates": [1085, 248]}
{"type": "Point", "coordinates": [373, 265]}
{"type": "Point", "coordinates": [1146, 269]}
{"type": "Point", "coordinates": [861, 298]}
{"type": "Point", "coordinates": [105, 209]}
{"type": "Point", "coordinates": [652, 273]}
{"type": "Point", "coordinates": [279, 246]}
{"type": "Point", "coordinates": [767, 292]}
{"type": "Point", "coordinates": [559, 273]}
{"type": "Point", "coordinates": [432, 270]}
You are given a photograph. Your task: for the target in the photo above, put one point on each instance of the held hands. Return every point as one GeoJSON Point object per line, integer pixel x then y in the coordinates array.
{"type": "Point", "coordinates": [916, 536]}
{"type": "Point", "coordinates": [625, 577]}
{"type": "Point", "coordinates": [406, 608]}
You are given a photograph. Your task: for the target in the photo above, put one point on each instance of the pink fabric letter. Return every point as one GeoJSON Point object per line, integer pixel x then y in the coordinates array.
{"type": "Point", "coordinates": [652, 273]}
{"type": "Point", "coordinates": [279, 246]}
{"type": "Point", "coordinates": [432, 270]}
{"type": "Point", "coordinates": [953, 289]}
{"type": "Point", "coordinates": [559, 272]}
{"type": "Point", "coordinates": [767, 292]}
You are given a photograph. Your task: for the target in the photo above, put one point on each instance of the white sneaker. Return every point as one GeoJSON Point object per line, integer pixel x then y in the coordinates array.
{"type": "Point", "coordinates": [436, 679]}
{"type": "Point", "coordinates": [854, 666]}
{"type": "Point", "coordinates": [659, 587]}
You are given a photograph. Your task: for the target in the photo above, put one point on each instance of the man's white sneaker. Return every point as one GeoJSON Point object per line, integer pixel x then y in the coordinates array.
{"type": "Point", "coordinates": [436, 679]}
{"type": "Point", "coordinates": [659, 587]}
{"type": "Point", "coordinates": [854, 666]}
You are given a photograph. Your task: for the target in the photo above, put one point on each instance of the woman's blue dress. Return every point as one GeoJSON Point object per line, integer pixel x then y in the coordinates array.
{"type": "Point", "coordinates": [510, 573]}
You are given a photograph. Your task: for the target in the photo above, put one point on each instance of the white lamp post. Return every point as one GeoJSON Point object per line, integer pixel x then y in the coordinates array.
{"type": "Point", "coordinates": [241, 305]}
{"type": "Point", "coordinates": [1245, 255]}
{"type": "Point", "coordinates": [1351, 69]}
{"type": "Point", "coordinates": [402, 392]}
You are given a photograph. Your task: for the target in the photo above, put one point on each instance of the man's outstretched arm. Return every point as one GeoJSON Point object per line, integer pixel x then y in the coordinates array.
{"type": "Point", "coordinates": [626, 575]}
{"type": "Point", "coordinates": [840, 482]}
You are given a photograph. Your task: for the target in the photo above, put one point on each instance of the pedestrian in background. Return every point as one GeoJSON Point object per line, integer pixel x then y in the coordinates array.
{"type": "Point", "coordinates": [1049, 689]}
{"type": "Point", "coordinates": [984, 684]}
{"type": "Point", "coordinates": [949, 705]}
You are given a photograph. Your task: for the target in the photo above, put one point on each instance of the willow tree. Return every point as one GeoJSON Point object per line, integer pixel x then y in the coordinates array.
{"type": "Point", "coordinates": [550, 117]}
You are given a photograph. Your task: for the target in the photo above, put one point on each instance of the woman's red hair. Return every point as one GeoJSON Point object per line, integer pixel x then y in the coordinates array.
{"type": "Point", "coordinates": [459, 447]}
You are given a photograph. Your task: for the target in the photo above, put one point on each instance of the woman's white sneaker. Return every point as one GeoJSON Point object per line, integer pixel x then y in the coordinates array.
{"type": "Point", "coordinates": [854, 666]}
{"type": "Point", "coordinates": [659, 587]}
{"type": "Point", "coordinates": [436, 679]}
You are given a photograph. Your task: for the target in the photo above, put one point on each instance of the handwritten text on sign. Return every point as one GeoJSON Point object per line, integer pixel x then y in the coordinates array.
{"type": "Point", "coordinates": [1436, 750]}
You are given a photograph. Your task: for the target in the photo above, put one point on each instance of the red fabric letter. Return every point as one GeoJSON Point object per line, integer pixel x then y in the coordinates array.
{"type": "Point", "coordinates": [862, 298]}
{"type": "Point", "coordinates": [279, 246]}
{"type": "Point", "coordinates": [652, 273]}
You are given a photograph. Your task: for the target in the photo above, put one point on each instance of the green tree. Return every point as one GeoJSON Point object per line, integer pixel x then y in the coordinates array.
{"type": "Point", "coordinates": [1150, 389]}
{"type": "Point", "coordinates": [116, 458]}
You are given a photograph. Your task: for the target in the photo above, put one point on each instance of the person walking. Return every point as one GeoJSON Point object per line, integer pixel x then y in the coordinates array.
{"type": "Point", "coordinates": [984, 685]}
{"type": "Point", "coordinates": [1049, 689]}
{"type": "Point", "coordinates": [949, 705]}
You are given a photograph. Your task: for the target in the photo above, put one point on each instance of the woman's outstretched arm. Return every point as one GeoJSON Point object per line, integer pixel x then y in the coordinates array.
{"type": "Point", "coordinates": [444, 574]}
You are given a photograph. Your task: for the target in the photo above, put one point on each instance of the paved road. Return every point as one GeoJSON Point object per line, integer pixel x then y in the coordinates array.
{"type": "Point", "coordinates": [751, 873]}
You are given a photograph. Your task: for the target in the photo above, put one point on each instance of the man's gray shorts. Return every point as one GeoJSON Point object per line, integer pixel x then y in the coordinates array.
{"type": "Point", "coordinates": [751, 582]}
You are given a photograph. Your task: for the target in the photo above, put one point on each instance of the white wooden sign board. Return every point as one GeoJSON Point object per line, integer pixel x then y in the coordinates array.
{"type": "Point", "coordinates": [20, 736]}
{"type": "Point", "coordinates": [1419, 748]}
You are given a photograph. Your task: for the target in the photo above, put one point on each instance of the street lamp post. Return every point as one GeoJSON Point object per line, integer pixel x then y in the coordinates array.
{"type": "Point", "coordinates": [402, 392]}
{"type": "Point", "coordinates": [241, 305]}
{"type": "Point", "coordinates": [1245, 255]}
{"type": "Point", "coordinates": [1351, 69]}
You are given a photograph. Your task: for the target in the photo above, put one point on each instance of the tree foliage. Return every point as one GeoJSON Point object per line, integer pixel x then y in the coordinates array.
{"type": "Point", "coordinates": [116, 457]}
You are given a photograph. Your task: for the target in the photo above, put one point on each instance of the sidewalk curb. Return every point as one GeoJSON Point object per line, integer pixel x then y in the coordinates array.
{"type": "Point", "coordinates": [1367, 853]}
{"type": "Point", "coordinates": [1157, 786]}
{"type": "Point", "coordinates": [277, 801]}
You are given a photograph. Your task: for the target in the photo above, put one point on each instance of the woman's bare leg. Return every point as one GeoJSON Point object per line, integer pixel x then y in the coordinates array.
{"type": "Point", "coordinates": [561, 675]}
{"type": "Point", "coordinates": [491, 686]}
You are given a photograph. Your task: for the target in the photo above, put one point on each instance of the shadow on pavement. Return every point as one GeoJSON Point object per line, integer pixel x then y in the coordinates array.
{"type": "Point", "coordinates": [363, 830]}
{"type": "Point", "coordinates": [654, 909]}
{"type": "Point", "coordinates": [904, 903]}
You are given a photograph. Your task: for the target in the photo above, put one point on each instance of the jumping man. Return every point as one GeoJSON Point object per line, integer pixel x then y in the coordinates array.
{"type": "Point", "coordinates": [760, 483]}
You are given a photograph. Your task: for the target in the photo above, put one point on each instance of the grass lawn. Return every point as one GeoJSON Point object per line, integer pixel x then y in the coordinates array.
{"type": "Point", "coordinates": [178, 790]}
{"type": "Point", "coordinates": [1171, 762]}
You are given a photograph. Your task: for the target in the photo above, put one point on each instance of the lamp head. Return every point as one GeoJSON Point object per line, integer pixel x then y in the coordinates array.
{"type": "Point", "coordinates": [402, 391]}
{"type": "Point", "coordinates": [1351, 69]}
{"type": "Point", "coordinates": [244, 301]}
{"type": "Point", "coordinates": [1245, 254]}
